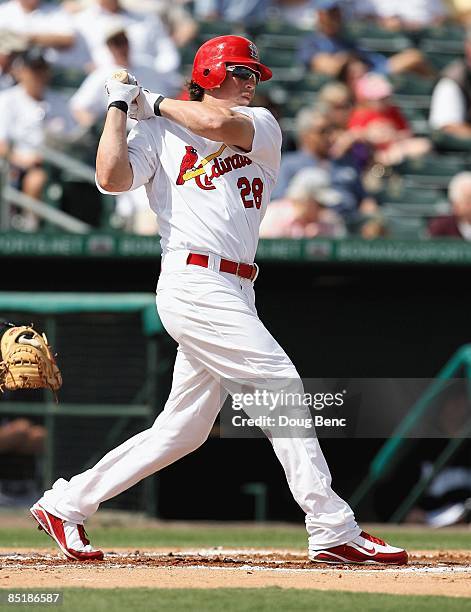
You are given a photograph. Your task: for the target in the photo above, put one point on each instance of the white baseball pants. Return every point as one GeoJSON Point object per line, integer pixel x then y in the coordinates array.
{"type": "Point", "coordinates": [212, 316]}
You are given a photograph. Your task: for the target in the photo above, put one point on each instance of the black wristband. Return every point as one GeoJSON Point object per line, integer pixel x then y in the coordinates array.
{"type": "Point", "coordinates": [157, 106]}
{"type": "Point", "coordinates": [123, 106]}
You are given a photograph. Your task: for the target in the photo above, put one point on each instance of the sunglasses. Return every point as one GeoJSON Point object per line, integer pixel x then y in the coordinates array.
{"type": "Point", "coordinates": [244, 73]}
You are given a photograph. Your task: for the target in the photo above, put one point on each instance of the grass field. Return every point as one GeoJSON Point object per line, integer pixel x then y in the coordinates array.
{"type": "Point", "coordinates": [186, 536]}
{"type": "Point", "coordinates": [230, 537]}
{"type": "Point", "coordinates": [249, 600]}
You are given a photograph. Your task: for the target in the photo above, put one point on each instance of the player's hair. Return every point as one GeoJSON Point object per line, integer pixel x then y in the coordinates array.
{"type": "Point", "coordinates": [195, 91]}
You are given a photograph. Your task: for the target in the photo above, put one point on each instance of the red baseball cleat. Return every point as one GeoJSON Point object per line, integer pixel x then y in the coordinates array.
{"type": "Point", "coordinates": [70, 537]}
{"type": "Point", "coordinates": [365, 548]}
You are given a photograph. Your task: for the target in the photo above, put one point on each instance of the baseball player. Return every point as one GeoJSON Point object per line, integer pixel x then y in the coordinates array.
{"type": "Point", "coordinates": [208, 165]}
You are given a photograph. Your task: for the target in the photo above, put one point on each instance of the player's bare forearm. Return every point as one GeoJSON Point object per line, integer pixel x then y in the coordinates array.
{"type": "Point", "coordinates": [215, 123]}
{"type": "Point", "coordinates": [113, 170]}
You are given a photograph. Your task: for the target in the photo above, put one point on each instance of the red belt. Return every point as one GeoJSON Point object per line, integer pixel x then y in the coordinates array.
{"type": "Point", "coordinates": [232, 267]}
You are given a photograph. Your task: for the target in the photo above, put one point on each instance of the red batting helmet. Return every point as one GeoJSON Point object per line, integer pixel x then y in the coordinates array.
{"type": "Point", "coordinates": [209, 66]}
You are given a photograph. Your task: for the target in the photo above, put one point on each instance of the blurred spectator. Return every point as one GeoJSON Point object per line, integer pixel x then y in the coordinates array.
{"type": "Point", "coordinates": [174, 14]}
{"type": "Point", "coordinates": [21, 441]}
{"type": "Point", "coordinates": [306, 211]}
{"type": "Point", "coordinates": [29, 112]}
{"type": "Point", "coordinates": [315, 133]}
{"type": "Point", "coordinates": [450, 107]}
{"type": "Point", "coordinates": [22, 436]}
{"type": "Point", "coordinates": [402, 14]}
{"type": "Point", "coordinates": [10, 45]}
{"type": "Point", "coordinates": [88, 104]}
{"type": "Point", "coordinates": [336, 98]}
{"type": "Point", "coordinates": [177, 19]}
{"type": "Point", "coordinates": [458, 224]}
{"type": "Point", "coordinates": [447, 498]}
{"type": "Point", "coordinates": [460, 10]}
{"type": "Point", "coordinates": [134, 215]}
{"type": "Point", "coordinates": [373, 227]}
{"type": "Point", "coordinates": [147, 34]}
{"type": "Point", "coordinates": [242, 11]}
{"type": "Point", "coordinates": [297, 13]}
{"type": "Point", "coordinates": [381, 124]}
{"type": "Point", "coordinates": [330, 52]}
{"type": "Point", "coordinates": [46, 26]}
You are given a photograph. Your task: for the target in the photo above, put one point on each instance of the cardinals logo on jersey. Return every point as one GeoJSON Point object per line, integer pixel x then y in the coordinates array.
{"type": "Point", "coordinates": [188, 162]}
{"type": "Point", "coordinates": [204, 173]}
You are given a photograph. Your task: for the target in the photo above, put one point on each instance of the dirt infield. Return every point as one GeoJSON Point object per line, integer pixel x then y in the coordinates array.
{"type": "Point", "coordinates": [428, 573]}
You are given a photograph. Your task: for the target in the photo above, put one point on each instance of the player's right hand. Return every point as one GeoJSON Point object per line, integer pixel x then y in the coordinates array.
{"type": "Point", "coordinates": [121, 92]}
{"type": "Point", "coordinates": [143, 107]}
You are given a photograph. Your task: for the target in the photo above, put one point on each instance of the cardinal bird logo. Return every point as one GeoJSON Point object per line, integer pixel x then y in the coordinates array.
{"type": "Point", "coordinates": [188, 162]}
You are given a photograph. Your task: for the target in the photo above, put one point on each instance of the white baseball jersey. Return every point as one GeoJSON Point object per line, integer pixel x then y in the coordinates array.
{"type": "Point", "coordinates": [208, 196]}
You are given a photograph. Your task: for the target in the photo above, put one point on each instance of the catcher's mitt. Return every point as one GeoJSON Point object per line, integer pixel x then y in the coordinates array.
{"type": "Point", "coordinates": [27, 361]}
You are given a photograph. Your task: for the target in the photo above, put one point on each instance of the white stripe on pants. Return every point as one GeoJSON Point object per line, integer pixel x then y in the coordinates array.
{"type": "Point", "coordinates": [213, 318]}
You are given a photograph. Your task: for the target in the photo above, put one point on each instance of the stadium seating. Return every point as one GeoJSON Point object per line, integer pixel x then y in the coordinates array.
{"type": "Point", "coordinates": [378, 39]}
{"type": "Point", "coordinates": [397, 193]}
{"type": "Point", "coordinates": [406, 228]}
{"type": "Point", "coordinates": [431, 171]}
{"type": "Point", "coordinates": [448, 143]}
{"type": "Point", "coordinates": [442, 44]}
{"type": "Point", "coordinates": [420, 191]}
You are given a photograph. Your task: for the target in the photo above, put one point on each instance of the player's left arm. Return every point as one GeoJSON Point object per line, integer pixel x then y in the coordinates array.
{"type": "Point", "coordinates": [218, 124]}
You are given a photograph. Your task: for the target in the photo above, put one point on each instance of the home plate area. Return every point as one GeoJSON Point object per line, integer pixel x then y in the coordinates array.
{"type": "Point", "coordinates": [429, 572]}
{"type": "Point", "coordinates": [254, 559]}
